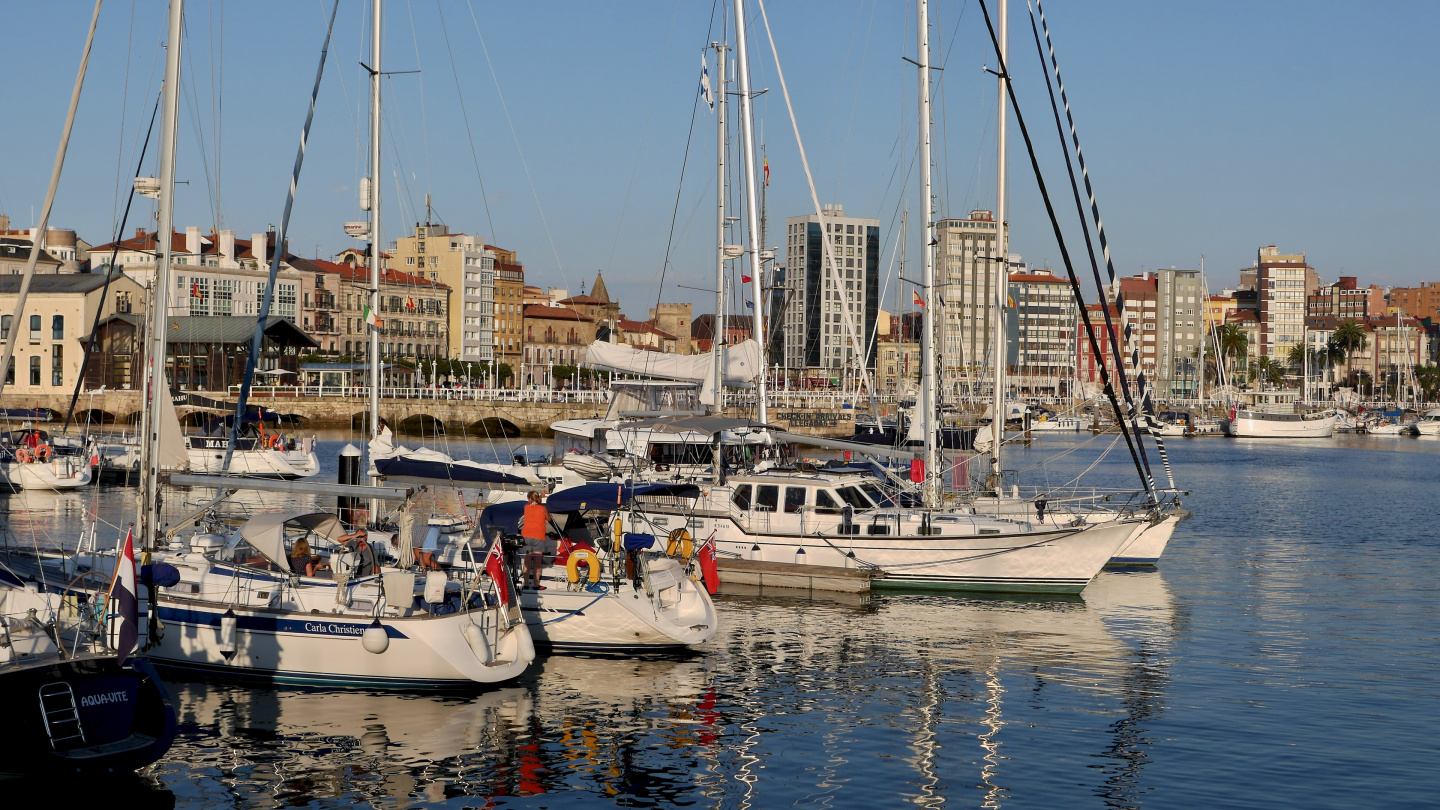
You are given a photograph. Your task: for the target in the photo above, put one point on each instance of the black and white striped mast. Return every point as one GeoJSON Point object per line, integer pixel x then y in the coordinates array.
{"type": "Point", "coordinates": [1142, 383]}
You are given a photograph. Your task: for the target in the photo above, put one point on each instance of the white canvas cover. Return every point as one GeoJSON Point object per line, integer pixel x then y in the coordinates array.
{"type": "Point", "coordinates": [266, 533]}
{"type": "Point", "coordinates": [742, 364]}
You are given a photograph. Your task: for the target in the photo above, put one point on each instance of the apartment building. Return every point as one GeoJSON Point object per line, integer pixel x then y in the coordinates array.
{"type": "Point", "coordinates": [414, 312]}
{"type": "Point", "coordinates": [1420, 302]}
{"type": "Point", "coordinates": [1346, 300]}
{"type": "Point", "coordinates": [814, 332]}
{"type": "Point", "coordinates": [1040, 329]}
{"type": "Point", "coordinates": [509, 326]}
{"type": "Point", "coordinates": [59, 312]}
{"type": "Point", "coordinates": [213, 274]}
{"type": "Point", "coordinates": [1281, 292]}
{"type": "Point", "coordinates": [465, 264]}
{"type": "Point", "coordinates": [965, 269]}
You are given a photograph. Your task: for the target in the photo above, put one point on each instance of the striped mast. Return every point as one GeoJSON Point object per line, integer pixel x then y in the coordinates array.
{"type": "Point", "coordinates": [1142, 384]}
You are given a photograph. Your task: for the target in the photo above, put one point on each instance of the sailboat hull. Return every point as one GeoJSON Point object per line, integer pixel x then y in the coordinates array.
{"type": "Point", "coordinates": [1059, 561]}
{"type": "Point", "coordinates": [1260, 425]}
{"type": "Point", "coordinates": [1145, 546]}
{"type": "Point", "coordinates": [320, 649]}
{"type": "Point", "coordinates": [62, 473]}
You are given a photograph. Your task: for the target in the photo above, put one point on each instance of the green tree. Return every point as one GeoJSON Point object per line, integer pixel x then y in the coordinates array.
{"type": "Point", "coordinates": [1234, 344]}
{"type": "Point", "coordinates": [562, 374]}
{"type": "Point", "coordinates": [1349, 337]}
{"type": "Point", "coordinates": [1428, 378]}
{"type": "Point", "coordinates": [1296, 356]}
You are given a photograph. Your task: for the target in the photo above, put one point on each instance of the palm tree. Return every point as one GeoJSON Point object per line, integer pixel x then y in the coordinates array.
{"type": "Point", "coordinates": [1233, 340]}
{"type": "Point", "coordinates": [1267, 370]}
{"type": "Point", "coordinates": [1428, 378]}
{"type": "Point", "coordinates": [1296, 356]}
{"type": "Point", "coordinates": [1349, 337]}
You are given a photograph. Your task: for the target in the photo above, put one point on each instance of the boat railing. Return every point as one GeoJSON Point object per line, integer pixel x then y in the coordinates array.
{"type": "Point", "coordinates": [439, 394]}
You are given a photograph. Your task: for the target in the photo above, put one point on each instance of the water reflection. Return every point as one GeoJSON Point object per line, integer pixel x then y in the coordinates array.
{"type": "Point", "coordinates": [930, 699]}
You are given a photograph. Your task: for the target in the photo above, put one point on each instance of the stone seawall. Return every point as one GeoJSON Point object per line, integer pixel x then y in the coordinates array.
{"type": "Point", "coordinates": [426, 415]}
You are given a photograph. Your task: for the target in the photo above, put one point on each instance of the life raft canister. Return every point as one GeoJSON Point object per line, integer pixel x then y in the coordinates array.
{"type": "Point", "coordinates": [592, 560]}
{"type": "Point", "coordinates": [680, 544]}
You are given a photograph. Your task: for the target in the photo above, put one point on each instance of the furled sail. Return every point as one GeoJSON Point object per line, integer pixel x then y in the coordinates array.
{"type": "Point", "coordinates": [742, 364]}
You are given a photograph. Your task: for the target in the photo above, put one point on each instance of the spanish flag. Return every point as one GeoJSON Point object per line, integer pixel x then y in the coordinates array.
{"type": "Point", "coordinates": [767, 170]}
{"type": "Point", "coordinates": [1010, 301]}
{"type": "Point", "coordinates": [919, 302]}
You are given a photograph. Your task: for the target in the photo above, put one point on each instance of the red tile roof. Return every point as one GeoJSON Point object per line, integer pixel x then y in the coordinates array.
{"type": "Point", "coordinates": [553, 313]}
{"type": "Point", "coordinates": [362, 274]}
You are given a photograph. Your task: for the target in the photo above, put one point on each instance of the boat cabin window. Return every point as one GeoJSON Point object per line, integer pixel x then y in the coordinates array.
{"type": "Point", "coordinates": [877, 495]}
{"type": "Point", "coordinates": [825, 502]}
{"type": "Point", "coordinates": [853, 497]}
{"type": "Point", "coordinates": [565, 443]}
{"type": "Point", "coordinates": [767, 497]}
{"type": "Point", "coordinates": [794, 499]}
{"type": "Point", "coordinates": [741, 498]}
{"type": "Point", "coordinates": [666, 453]}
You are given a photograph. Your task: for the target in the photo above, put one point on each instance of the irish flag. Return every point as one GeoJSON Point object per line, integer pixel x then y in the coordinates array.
{"type": "Point", "coordinates": [373, 319]}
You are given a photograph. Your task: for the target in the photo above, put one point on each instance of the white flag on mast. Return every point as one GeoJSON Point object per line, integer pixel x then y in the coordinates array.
{"type": "Point", "coordinates": [705, 82]}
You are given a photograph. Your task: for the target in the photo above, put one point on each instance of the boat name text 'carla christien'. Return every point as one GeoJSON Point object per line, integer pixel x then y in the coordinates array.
{"type": "Point", "coordinates": [103, 698]}
{"type": "Point", "coordinates": [336, 629]}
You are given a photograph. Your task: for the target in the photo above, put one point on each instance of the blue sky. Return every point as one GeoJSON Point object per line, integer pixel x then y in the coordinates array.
{"type": "Point", "coordinates": [1208, 128]}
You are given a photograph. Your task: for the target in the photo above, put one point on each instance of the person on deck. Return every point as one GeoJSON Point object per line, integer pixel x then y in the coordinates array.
{"type": "Point", "coordinates": [358, 541]}
{"type": "Point", "coordinates": [302, 561]}
{"type": "Point", "coordinates": [537, 519]}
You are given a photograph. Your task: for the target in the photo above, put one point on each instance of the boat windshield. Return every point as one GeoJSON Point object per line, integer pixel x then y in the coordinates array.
{"type": "Point", "coordinates": [877, 495]}
{"type": "Point", "coordinates": [852, 496]}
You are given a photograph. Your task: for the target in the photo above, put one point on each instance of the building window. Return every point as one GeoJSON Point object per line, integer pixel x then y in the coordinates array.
{"type": "Point", "coordinates": [57, 366]}
{"type": "Point", "coordinates": [5, 331]}
{"type": "Point", "coordinates": [57, 330]}
{"type": "Point", "coordinates": [35, 332]}
{"type": "Point", "coordinates": [35, 368]}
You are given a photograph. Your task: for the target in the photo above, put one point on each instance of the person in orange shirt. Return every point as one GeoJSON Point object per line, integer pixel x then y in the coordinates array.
{"type": "Point", "coordinates": [537, 518]}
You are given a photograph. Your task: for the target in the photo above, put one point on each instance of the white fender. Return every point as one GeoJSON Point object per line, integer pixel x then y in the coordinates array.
{"type": "Point", "coordinates": [479, 645]}
{"type": "Point", "coordinates": [375, 639]}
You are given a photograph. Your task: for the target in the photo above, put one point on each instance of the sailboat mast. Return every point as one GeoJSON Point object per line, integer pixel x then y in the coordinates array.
{"type": "Point", "coordinates": [1204, 330]}
{"type": "Point", "coordinates": [927, 258]}
{"type": "Point", "coordinates": [1002, 248]}
{"type": "Point", "coordinates": [156, 385]}
{"type": "Point", "coordinates": [717, 343]}
{"type": "Point", "coordinates": [752, 211]}
{"type": "Point", "coordinates": [375, 241]}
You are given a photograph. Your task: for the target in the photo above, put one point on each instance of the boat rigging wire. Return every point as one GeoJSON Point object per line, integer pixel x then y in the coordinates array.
{"type": "Point", "coordinates": [262, 317]}
{"type": "Point", "coordinates": [37, 244]}
{"type": "Point", "coordinates": [1069, 265]}
{"type": "Point", "coordinates": [559, 265]}
{"type": "Point", "coordinates": [465, 116]}
{"type": "Point", "coordinates": [1147, 405]}
{"type": "Point", "coordinates": [109, 276]}
{"type": "Point", "coordinates": [846, 317]}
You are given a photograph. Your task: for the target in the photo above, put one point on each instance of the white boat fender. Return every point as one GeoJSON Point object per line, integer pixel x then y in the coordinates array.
{"type": "Point", "coordinates": [375, 639]}
{"type": "Point", "coordinates": [227, 634]}
{"type": "Point", "coordinates": [479, 645]}
{"type": "Point", "coordinates": [799, 556]}
{"type": "Point", "coordinates": [527, 644]}
{"type": "Point", "coordinates": [435, 587]}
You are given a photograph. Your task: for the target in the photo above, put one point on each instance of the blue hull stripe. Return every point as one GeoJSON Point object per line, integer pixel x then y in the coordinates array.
{"type": "Point", "coordinates": [314, 625]}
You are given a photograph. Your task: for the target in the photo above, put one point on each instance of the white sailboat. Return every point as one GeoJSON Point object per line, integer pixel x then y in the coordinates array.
{"type": "Point", "coordinates": [232, 602]}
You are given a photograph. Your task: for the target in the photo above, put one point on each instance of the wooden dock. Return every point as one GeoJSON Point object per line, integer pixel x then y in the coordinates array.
{"type": "Point", "coordinates": [793, 577]}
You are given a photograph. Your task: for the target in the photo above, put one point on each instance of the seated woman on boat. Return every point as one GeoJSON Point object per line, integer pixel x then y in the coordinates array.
{"type": "Point", "coordinates": [304, 562]}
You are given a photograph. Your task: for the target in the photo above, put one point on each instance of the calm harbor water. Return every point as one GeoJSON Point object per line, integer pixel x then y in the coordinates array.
{"type": "Point", "coordinates": [1284, 653]}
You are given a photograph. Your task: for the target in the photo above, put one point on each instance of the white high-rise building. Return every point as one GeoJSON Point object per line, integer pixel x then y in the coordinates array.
{"type": "Point", "coordinates": [966, 261]}
{"type": "Point", "coordinates": [813, 331]}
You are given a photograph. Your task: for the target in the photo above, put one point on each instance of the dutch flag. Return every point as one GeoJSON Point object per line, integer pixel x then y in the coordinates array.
{"type": "Point", "coordinates": [124, 603]}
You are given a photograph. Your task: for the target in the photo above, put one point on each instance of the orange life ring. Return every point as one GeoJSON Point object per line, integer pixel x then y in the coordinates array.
{"type": "Point", "coordinates": [23, 456]}
{"type": "Point", "coordinates": [42, 453]}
